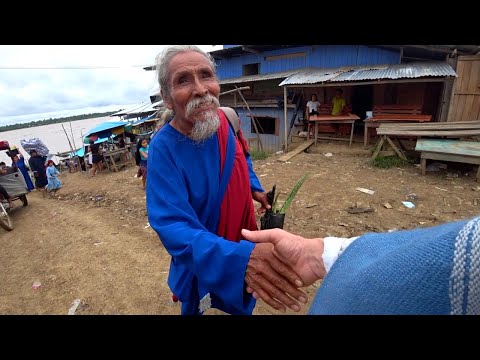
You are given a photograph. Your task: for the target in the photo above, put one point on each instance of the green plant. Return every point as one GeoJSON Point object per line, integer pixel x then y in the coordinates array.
{"type": "Point", "coordinates": [386, 162]}
{"type": "Point", "coordinates": [258, 155]}
{"type": "Point", "coordinates": [291, 195]}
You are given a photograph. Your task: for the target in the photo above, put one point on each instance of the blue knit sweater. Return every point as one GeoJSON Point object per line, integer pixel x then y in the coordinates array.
{"type": "Point", "coordinates": [423, 271]}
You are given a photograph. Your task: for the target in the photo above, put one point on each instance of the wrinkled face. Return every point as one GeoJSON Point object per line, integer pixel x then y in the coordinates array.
{"type": "Point", "coordinates": [194, 89]}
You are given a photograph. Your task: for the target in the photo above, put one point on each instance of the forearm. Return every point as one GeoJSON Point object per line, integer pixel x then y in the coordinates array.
{"type": "Point", "coordinates": [254, 182]}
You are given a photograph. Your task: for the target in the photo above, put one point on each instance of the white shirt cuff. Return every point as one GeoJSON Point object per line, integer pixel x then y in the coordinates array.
{"type": "Point", "coordinates": [333, 248]}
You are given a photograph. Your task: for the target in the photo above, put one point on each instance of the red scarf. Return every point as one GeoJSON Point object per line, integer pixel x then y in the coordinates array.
{"type": "Point", "coordinates": [237, 211]}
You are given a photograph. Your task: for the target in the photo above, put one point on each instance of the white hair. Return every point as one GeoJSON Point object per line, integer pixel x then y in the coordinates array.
{"type": "Point", "coordinates": [163, 59]}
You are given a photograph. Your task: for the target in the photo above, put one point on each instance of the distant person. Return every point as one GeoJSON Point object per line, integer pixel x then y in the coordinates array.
{"type": "Point", "coordinates": [97, 158]}
{"type": "Point", "coordinates": [141, 158]}
{"type": "Point", "coordinates": [4, 195]}
{"type": "Point", "coordinates": [52, 175]}
{"type": "Point", "coordinates": [4, 169]}
{"type": "Point", "coordinates": [19, 162]}
{"type": "Point", "coordinates": [121, 142]}
{"type": "Point", "coordinates": [312, 106]}
{"type": "Point", "coordinates": [339, 103]}
{"type": "Point", "coordinates": [37, 166]}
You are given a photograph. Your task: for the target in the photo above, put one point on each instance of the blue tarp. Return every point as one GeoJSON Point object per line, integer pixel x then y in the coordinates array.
{"type": "Point", "coordinates": [108, 125]}
{"type": "Point", "coordinates": [81, 152]}
{"type": "Point", "coordinates": [141, 121]}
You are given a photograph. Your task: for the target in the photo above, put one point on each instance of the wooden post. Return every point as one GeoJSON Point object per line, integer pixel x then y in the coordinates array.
{"type": "Point", "coordinates": [451, 100]}
{"type": "Point", "coordinates": [285, 117]}
{"type": "Point", "coordinates": [73, 138]}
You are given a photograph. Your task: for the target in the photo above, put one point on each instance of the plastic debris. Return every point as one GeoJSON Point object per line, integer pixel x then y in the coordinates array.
{"type": "Point", "coordinates": [36, 285]}
{"type": "Point", "coordinates": [366, 191]}
{"type": "Point", "coordinates": [328, 154]}
{"type": "Point", "coordinates": [388, 206]}
{"type": "Point", "coordinates": [74, 306]}
{"type": "Point", "coordinates": [408, 204]}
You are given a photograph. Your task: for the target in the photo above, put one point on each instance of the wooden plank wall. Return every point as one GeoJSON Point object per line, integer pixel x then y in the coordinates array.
{"type": "Point", "coordinates": [465, 104]}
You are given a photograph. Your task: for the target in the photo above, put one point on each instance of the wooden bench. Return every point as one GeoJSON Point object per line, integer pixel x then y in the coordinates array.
{"type": "Point", "coordinates": [449, 150]}
{"type": "Point", "coordinates": [392, 113]}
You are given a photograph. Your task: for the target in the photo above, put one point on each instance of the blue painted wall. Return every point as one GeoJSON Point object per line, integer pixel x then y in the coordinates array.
{"type": "Point", "coordinates": [271, 143]}
{"type": "Point", "coordinates": [323, 56]}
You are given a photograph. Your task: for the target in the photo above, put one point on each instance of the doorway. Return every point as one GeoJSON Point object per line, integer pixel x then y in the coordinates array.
{"type": "Point", "coordinates": [362, 100]}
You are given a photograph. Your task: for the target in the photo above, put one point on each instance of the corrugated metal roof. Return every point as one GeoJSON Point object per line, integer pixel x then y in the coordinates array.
{"type": "Point", "coordinates": [140, 109]}
{"type": "Point", "coordinates": [311, 76]}
{"type": "Point", "coordinates": [371, 72]}
{"type": "Point", "coordinates": [259, 77]}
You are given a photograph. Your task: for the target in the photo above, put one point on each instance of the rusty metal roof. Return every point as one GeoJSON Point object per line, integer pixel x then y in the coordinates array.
{"type": "Point", "coordinates": [371, 72]}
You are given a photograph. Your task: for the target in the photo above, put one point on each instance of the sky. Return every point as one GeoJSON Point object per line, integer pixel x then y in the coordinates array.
{"type": "Point", "coordinates": [49, 81]}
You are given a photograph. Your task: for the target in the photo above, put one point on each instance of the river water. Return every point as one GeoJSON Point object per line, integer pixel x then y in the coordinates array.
{"type": "Point", "coordinates": [51, 135]}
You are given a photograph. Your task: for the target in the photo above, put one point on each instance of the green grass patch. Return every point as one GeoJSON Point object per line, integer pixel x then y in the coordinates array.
{"type": "Point", "coordinates": [387, 162]}
{"type": "Point", "coordinates": [258, 155]}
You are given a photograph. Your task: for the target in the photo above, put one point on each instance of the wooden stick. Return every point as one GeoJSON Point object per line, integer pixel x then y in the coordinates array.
{"type": "Point", "coordinates": [251, 115]}
{"type": "Point", "coordinates": [73, 138]}
{"type": "Point", "coordinates": [69, 143]}
{"type": "Point", "coordinates": [235, 90]}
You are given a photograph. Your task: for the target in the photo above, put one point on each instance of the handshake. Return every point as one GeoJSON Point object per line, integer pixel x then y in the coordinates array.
{"type": "Point", "coordinates": [279, 264]}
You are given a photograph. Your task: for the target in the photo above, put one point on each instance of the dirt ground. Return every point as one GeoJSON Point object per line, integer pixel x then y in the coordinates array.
{"type": "Point", "coordinates": [92, 240]}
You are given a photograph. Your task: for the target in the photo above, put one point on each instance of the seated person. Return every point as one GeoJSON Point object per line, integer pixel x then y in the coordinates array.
{"type": "Point", "coordinates": [4, 169]}
{"type": "Point", "coordinates": [312, 106]}
{"type": "Point", "coordinates": [339, 103]}
{"type": "Point", "coordinates": [4, 196]}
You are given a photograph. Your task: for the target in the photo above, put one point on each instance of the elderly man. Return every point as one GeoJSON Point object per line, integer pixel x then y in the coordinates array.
{"type": "Point", "coordinates": [199, 196]}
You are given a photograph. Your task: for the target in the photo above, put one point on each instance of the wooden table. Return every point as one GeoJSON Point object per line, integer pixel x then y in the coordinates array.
{"type": "Point", "coordinates": [390, 132]}
{"type": "Point", "coordinates": [374, 122]}
{"type": "Point", "coordinates": [334, 119]}
{"type": "Point", "coordinates": [449, 150]}
{"type": "Point", "coordinates": [112, 165]}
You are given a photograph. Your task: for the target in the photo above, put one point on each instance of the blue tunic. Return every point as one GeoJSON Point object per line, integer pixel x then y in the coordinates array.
{"type": "Point", "coordinates": [53, 182]}
{"type": "Point", "coordinates": [21, 166]}
{"type": "Point", "coordinates": [182, 186]}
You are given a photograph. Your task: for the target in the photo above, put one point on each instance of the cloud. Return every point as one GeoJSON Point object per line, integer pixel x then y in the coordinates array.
{"type": "Point", "coordinates": [37, 81]}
